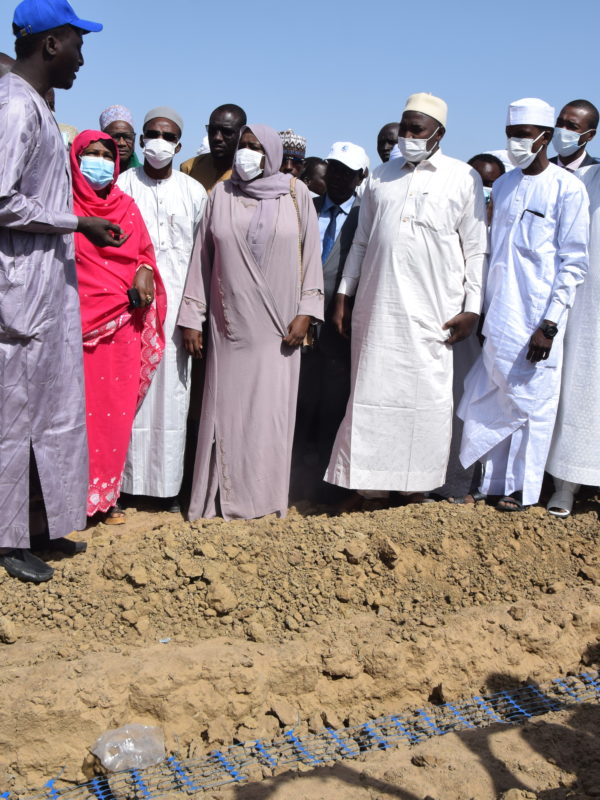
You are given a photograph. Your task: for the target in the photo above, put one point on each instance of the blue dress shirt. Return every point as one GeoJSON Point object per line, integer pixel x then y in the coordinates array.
{"type": "Point", "coordinates": [325, 216]}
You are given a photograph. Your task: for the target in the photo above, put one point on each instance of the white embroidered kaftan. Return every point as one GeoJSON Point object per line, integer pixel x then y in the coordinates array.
{"type": "Point", "coordinates": [417, 260]}
{"type": "Point", "coordinates": [538, 256]}
{"type": "Point", "coordinates": [172, 209]}
{"type": "Point", "coordinates": [574, 453]}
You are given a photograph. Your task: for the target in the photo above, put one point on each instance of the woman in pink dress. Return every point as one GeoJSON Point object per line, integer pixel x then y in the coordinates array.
{"type": "Point", "coordinates": [122, 344]}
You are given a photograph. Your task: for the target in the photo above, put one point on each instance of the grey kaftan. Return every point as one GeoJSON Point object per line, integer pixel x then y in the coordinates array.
{"type": "Point", "coordinates": [249, 406]}
{"type": "Point", "coordinates": [41, 359]}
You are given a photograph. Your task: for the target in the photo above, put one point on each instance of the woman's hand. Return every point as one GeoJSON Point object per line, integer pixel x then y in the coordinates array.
{"type": "Point", "coordinates": [192, 341]}
{"type": "Point", "coordinates": [297, 330]}
{"type": "Point", "coordinates": [144, 283]}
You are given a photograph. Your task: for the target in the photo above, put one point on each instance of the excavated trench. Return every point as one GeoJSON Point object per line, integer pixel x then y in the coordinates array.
{"type": "Point", "coordinates": [228, 632]}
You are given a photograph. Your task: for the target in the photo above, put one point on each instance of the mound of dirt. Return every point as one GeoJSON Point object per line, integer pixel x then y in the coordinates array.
{"type": "Point", "coordinates": [223, 632]}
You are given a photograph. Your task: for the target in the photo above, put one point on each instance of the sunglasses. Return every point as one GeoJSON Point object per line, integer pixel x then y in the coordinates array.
{"type": "Point", "coordinates": [150, 133]}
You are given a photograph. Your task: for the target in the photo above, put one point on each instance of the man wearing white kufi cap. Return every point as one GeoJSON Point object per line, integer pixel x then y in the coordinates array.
{"type": "Point", "coordinates": [172, 205]}
{"type": "Point", "coordinates": [415, 269]}
{"type": "Point", "coordinates": [538, 257]}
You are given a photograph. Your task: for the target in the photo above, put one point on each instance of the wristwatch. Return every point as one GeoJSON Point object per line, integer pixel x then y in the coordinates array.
{"type": "Point", "coordinates": [549, 329]}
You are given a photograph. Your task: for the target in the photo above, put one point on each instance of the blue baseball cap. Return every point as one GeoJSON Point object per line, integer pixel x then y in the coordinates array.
{"type": "Point", "coordinates": [37, 16]}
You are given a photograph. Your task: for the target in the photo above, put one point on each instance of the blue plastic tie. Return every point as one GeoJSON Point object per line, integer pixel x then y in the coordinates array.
{"type": "Point", "coordinates": [54, 793]}
{"type": "Point", "coordinates": [135, 773]}
{"type": "Point", "coordinates": [291, 736]}
{"type": "Point", "coordinates": [514, 704]}
{"type": "Point", "coordinates": [482, 704]}
{"type": "Point", "coordinates": [459, 716]}
{"type": "Point", "coordinates": [567, 689]}
{"type": "Point", "coordinates": [102, 790]}
{"type": "Point", "coordinates": [430, 723]}
{"type": "Point", "coordinates": [591, 682]}
{"type": "Point", "coordinates": [411, 735]}
{"type": "Point", "coordinates": [338, 739]}
{"type": "Point", "coordinates": [183, 776]}
{"type": "Point", "coordinates": [374, 734]}
{"type": "Point", "coordinates": [260, 748]}
{"type": "Point", "coordinates": [237, 776]}
{"type": "Point", "coordinates": [552, 704]}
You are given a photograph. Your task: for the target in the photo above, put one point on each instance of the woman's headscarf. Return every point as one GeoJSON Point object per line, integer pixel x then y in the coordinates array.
{"type": "Point", "coordinates": [83, 195]}
{"type": "Point", "coordinates": [104, 274]}
{"type": "Point", "coordinates": [272, 185]}
{"type": "Point", "coordinates": [272, 182]}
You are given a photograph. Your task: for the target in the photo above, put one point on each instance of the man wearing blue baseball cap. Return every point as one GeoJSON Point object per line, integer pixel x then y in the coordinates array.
{"type": "Point", "coordinates": [43, 448]}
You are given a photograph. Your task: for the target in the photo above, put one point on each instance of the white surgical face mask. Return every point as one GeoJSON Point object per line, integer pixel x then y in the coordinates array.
{"type": "Point", "coordinates": [248, 163]}
{"type": "Point", "coordinates": [415, 150]}
{"type": "Point", "coordinates": [158, 152]}
{"type": "Point", "coordinates": [519, 151]}
{"type": "Point", "coordinates": [566, 142]}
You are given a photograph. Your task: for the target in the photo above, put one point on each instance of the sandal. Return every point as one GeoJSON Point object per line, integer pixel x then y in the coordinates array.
{"type": "Point", "coordinates": [115, 516]}
{"type": "Point", "coordinates": [561, 503]}
{"type": "Point", "coordinates": [415, 498]}
{"type": "Point", "coordinates": [511, 502]}
{"type": "Point", "coordinates": [462, 501]}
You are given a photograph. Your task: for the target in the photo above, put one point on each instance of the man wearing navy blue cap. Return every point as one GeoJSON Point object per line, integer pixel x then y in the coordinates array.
{"type": "Point", "coordinates": [43, 447]}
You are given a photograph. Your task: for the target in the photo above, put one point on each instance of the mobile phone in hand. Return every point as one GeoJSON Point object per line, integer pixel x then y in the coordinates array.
{"type": "Point", "coordinates": [135, 301]}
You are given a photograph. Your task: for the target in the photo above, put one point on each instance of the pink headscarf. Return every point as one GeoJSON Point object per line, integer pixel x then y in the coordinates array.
{"type": "Point", "coordinates": [266, 189]}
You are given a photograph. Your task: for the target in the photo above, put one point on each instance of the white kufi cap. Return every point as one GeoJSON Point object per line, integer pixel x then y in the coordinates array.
{"type": "Point", "coordinates": [429, 104]}
{"type": "Point", "coordinates": [352, 155]}
{"type": "Point", "coordinates": [531, 111]}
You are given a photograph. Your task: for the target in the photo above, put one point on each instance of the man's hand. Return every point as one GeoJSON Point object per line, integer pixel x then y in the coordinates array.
{"type": "Point", "coordinates": [144, 283]}
{"type": "Point", "coordinates": [297, 330]}
{"type": "Point", "coordinates": [461, 326]}
{"type": "Point", "coordinates": [101, 232]}
{"type": "Point", "coordinates": [342, 315]}
{"type": "Point", "coordinates": [539, 347]}
{"type": "Point", "coordinates": [192, 341]}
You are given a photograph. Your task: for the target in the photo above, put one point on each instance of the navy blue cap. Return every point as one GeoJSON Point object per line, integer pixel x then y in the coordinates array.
{"type": "Point", "coordinates": [37, 16]}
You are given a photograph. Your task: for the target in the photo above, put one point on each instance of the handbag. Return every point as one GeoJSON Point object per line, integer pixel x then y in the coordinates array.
{"type": "Point", "coordinates": [309, 339]}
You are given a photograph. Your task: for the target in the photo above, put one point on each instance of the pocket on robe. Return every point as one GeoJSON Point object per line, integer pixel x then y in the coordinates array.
{"type": "Point", "coordinates": [433, 212]}
{"type": "Point", "coordinates": [182, 233]}
{"type": "Point", "coordinates": [535, 234]}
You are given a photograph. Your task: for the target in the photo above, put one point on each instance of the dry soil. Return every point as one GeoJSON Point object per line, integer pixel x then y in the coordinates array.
{"type": "Point", "coordinates": [223, 632]}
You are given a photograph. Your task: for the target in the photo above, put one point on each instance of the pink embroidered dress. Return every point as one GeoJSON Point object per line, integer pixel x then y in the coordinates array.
{"type": "Point", "coordinates": [121, 348]}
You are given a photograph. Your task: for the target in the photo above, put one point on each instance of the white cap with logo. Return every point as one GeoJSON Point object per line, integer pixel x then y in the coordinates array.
{"type": "Point", "coordinates": [351, 155]}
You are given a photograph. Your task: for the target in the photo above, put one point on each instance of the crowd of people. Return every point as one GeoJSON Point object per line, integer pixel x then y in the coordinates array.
{"type": "Point", "coordinates": [419, 331]}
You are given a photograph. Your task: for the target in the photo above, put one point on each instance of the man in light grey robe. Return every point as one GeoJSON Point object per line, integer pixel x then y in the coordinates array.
{"type": "Point", "coordinates": [42, 413]}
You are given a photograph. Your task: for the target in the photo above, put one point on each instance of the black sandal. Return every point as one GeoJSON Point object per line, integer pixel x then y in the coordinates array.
{"type": "Point", "coordinates": [513, 502]}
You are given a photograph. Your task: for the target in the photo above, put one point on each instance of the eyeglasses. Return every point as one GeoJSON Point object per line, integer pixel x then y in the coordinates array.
{"type": "Point", "coordinates": [226, 133]}
{"type": "Point", "coordinates": [150, 133]}
{"type": "Point", "coordinates": [128, 137]}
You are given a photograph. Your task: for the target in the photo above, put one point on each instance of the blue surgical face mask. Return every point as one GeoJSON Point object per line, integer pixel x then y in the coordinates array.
{"type": "Point", "coordinates": [97, 171]}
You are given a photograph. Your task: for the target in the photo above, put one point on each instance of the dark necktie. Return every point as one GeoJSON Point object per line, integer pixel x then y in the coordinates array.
{"type": "Point", "coordinates": [329, 238]}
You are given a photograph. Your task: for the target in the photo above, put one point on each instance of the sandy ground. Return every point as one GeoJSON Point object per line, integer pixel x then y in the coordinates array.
{"type": "Point", "coordinates": [309, 621]}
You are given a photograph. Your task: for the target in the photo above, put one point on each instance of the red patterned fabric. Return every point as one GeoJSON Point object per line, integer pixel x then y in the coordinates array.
{"type": "Point", "coordinates": [122, 348]}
